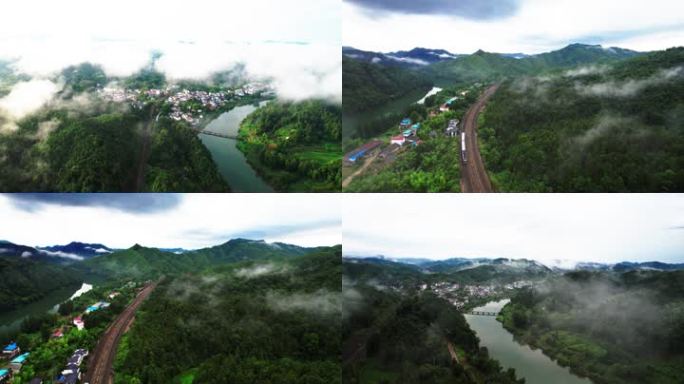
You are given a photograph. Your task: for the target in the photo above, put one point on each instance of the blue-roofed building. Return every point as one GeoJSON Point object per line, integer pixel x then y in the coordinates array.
{"type": "Point", "coordinates": [408, 133]}
{"type": "Point", "coordinates": [5, 375]}
{"type": "Point", "coordinates": [415, 127]}
{"type": "Point", "coordinates": [10, 351]}
{"type": "Point", "coordinates": [405, 123]}
{"type": "Point", "coordinates": [17, 362]}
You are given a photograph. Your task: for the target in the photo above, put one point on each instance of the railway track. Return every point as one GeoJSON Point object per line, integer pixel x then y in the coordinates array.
{"type": "Point", "coordinates": [101, 361]}
{"type": "Point", "coordinates": [474, 178]}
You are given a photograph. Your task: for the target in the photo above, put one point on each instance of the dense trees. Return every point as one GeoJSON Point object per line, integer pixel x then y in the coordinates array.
{"type": "Point", "coordinates": [614, 328]}
{"type": "Point", "coordinates": [25, 281]}
{"type": "Point", "coordinates": [233, 324]}
{"type": "Point", "coordinates": [295, 146]}
{"type": "Point", "coordinates": [369, 85]}
{"type": "Point", "coordinates": [395, 337]}
{"type": "Point", "coordinates": [616, 130]}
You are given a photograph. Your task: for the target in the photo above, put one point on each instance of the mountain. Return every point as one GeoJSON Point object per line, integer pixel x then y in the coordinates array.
{"type": "Point", "coordinates": [27, 279]}
{"type": "Point", "coordinates": [77, 250]}
{"type": "Point", "coordinates": [367, 85]}
{"type": "Point", "coordinates": [143, 262]}
{"type": "Point", "coordinates": [10, 249]}
{"type": "Point", "coordinates": [482, 65]}
{"type": "Point", "coordinates": [421, 56]}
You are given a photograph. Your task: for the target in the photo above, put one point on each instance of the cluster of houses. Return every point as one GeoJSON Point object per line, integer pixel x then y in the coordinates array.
{"type": "Point", "coordinates": [409, 134]}
{"type": "Point", "coordinates": [71, 374]}
{"type": "Point", "coordinates": [12, 352]}
{"type": "Point", "coordinates": [459, 295]}
{"type": "Point", "coordinates": [175, 97]}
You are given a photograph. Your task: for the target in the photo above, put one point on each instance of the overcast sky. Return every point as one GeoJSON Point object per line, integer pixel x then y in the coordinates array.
{"type": "Point", "coordinates": [295, 41]}
{"type": "Point", "coordinates": [544, 227]}
{"type": "Point", "coordinates": [167, 220]}
{"type": "Point", "coordinates": [511, 26]}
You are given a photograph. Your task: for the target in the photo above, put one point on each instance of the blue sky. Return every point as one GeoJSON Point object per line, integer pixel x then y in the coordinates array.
{"type": "Point", "coordinates": [170, 220]}
{"type": "Point", "coordinates": [544, 227]}
{"type": "Point", "coordinates": [511, 26]}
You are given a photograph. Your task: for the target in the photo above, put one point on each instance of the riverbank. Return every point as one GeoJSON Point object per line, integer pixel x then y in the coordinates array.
{"type": "Point", "coordinates": [530, 364]}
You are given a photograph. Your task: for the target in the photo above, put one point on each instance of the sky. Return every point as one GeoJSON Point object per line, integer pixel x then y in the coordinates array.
{"type": "Point", "coordinates": [549, 228]}
{"type": "Point", "coordinates": [511, 26]}
{"type": "Point", "coordinates": [296, 42]}
{"type": "Point", "coordinates": [187, 221]}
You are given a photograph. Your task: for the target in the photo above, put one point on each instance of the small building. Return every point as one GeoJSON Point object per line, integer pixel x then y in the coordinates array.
{"type": "Point", "coordinates": [5, 375]}
{"type": "Point", "coordinates": [10, 351]}
{"type": "Point", "coordinates": [452, 129]}
{"type": "Point", "coordinates": [72, 373]}
{"type": "Point", "coordinates": [115, 294]}
{"type": "Point", "coordinates": [58, 333]}
{"type": "Point", "coordinates": [405, 123]}
{"type": "Point", "coordinates": [78, 322]}
{"type": "Point", "coordinates": [415, 128]}
{"type": "Point", "coordinates": [408, 133]}
{"type": "Point", "coordinates": [17, 362]}
{"type": "Point", "coordinates": [398, 140]}
{"type": "Point", "coordinates": [97, 306]}
{"type": "Point", "coordinates": [360, 152]}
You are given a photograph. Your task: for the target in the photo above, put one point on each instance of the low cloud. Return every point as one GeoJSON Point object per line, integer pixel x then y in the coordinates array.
{"type": "Point", "coordinates": [62, 255]}
{"type": "Point", "coordinates": [605, 124]}
{"type": "Point", "coordinates": [629, 88]}
{"type": "Point", "coordinates": [321, 302]}
{"type": "Point", "coordinates": [587, 70]}
{"type": "Point", "coordinates": [260, 270]}
{"type": "Point", "coordinates": [25, 98]}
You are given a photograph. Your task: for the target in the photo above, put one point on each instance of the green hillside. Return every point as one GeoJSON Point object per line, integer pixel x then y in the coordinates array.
{"type": "Point", "coordinates": [250, 322]}
{"type": "Point", "coordinates": [141, 262]}
{"type": "Point", "coordinates": [367, 85]}
{"type": "Point", "coordinates": [615, 329]}
{"type": "Point", "coordinates": [296, 147]}
{"type": "Point", "coordinates": [598, 129]}
{"type": "Point", "coordinates": [25, 281]}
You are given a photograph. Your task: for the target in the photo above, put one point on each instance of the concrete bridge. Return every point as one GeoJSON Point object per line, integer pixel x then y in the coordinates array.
{"type": "Point", "coordinates": [484, 313]}
{"type": "Point", "coordinates": [223, 135]}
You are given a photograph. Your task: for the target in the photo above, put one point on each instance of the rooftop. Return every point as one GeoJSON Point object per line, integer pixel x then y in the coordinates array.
{"type": "Point", "coordinates": [11, 347]}
{"type": "Point", "coordinates": [20, 359]}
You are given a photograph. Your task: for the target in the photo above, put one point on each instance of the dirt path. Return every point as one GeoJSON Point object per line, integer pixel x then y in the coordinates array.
{"type": "Point", "coordinates": [101, 361]}
{"type": "Point", "coordinates": [474, 177]}
{"type": "Point", "coordinates": [350, 178]}
{"type": "Point", "coordinates": [452, 352]}
{"type": "Point", "coordinates": [145, 152]}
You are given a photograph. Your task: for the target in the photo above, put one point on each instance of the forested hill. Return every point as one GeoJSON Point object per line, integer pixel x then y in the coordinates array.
{"type": "Point", "coordinates": [243, 323]}
{"type": "Point", "coordinates": [142, 262]}
{"type": "Point", "coordinates": [599, 128]}
{"type": "Point", "coordinates": [613, 328]}
{"type": "Point", "coordinates": [367, 85]}
{"type": "Point", "coordinates": [485, 66]}
{"type": "Point", "coordinates": [25, 280]}
{"type": "Point", "coordinates": [295, 146]}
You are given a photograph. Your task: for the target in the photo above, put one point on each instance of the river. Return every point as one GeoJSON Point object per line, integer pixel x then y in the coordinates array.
{"type": "Point", "coordinates": [533, 365]}
{"type": "Point", "coordinates": [10, 321]}
{"type": "Point", "coordinates": [351, 121]}
{"type": "Point", "coordinates": [232, 163]}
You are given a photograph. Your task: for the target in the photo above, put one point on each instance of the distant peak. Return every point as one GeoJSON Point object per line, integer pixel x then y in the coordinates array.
{"type": "Point", "coordinates": [137, 247]}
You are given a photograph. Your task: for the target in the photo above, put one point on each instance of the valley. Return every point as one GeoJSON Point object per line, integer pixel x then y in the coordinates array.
{"type": "Point", "coordinates": [584, 118]}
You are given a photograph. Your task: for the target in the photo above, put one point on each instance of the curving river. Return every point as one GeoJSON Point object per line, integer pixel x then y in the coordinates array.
{"type": "Point", "coordinates": [11, 321]}
{"type": "Point", "coordinates": [533, 365]}
{"type": "Point", "coordinates": [231, 162]}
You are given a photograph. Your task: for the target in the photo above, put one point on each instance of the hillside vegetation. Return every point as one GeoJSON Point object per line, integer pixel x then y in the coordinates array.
{"type": "Point", "coordinates": [268, 321]}
{"type": "Point", "coordinates": [613, 128]}
{"type": "Point", "coordinates": [367, 85]}
{"type": "Point", "coordinates": [626, 328]}
{"type": "Point", "coordinates": [295, 146]}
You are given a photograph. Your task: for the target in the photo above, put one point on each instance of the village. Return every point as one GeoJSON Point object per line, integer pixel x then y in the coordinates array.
{"type": "Point", "coordinates": [460, 295]}
{"type": "Point", "coordinates": [14, 358]}
{"type": "Point", "coordinates": [408, 134]}
{"type": "Point", "coordinates": [186, 105]}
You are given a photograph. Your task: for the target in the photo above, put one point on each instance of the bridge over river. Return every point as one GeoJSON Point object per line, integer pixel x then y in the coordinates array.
{"type": "Point", "coordinates": [483, 313]}
{"type": "Point", "coordinates": [223, 135]}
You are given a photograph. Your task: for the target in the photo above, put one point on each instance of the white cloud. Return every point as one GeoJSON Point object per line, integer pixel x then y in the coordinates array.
{"type": "Point", "coordinates": [544, 227]}
{"type": "Point", "coordinates": [538, 26]}
{"type": "Point", "coordinates": [296, 41]}
{"type": "Point", "coordinates": [200, 220]}
{"type": "Point", "coordinates": [28, 96]}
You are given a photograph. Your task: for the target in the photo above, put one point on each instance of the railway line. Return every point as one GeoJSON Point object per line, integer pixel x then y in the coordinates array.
{"type": "Point", "coordinates": [474, 178]}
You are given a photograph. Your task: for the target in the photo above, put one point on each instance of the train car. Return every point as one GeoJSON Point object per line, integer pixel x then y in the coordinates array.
{"type": "Point", "coordinates": [464, 154]}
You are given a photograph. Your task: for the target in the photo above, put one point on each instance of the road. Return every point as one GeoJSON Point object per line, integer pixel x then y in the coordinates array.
{"type": "Point", "coordinates": [101, 361]}
{"type": "Point", "coordinates": [350, 178]}
{"type": "Point", "coordinates": [474, 177]}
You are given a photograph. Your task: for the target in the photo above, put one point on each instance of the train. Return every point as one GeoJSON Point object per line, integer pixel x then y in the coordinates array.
{"type": "Point", "coordinates": [464, 155]}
